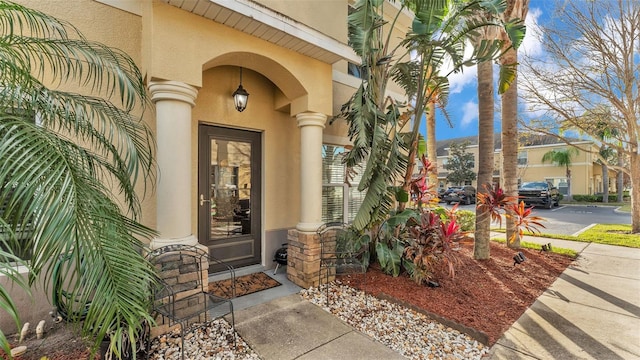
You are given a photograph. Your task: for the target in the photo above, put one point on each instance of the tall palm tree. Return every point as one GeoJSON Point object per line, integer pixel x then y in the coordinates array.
{"type": "Point", "coordinates": [605, 156]}
{"type": "Point", "coordinates": [516, 9]}
{"type": "Point", "coordinates": [562, 158]}
{"type": "Point", "coordinates": [431, 142]}
{"type": "Point", "coordinates": [486, 147]}
{"type": "Point", "coordinates": [439, 32]}
{"type": "Point", "coordinates": [70, 166]}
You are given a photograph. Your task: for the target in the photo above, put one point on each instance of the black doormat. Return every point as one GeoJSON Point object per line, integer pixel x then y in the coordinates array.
{"type": "Point", "coordinates": [245, 285]}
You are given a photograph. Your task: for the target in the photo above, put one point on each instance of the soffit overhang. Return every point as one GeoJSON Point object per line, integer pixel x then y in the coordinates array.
{"type": "Point", "coordinates": [259, 21]}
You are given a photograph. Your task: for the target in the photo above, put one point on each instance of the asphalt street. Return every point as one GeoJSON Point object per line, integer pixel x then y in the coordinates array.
{"type": "Point", "coordinates": [571, 219]}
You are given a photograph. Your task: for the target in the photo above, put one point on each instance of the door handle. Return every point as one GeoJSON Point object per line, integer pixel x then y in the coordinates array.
{"type": "Point", "coordinates": [203, 200]}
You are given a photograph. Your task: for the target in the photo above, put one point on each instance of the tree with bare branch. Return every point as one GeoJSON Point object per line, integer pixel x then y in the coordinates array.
{"type": "Point", "coordinates": [587, 81]}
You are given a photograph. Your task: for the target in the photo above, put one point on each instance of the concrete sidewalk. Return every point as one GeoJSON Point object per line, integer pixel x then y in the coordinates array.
{"type": "Point", "coordinates": [592, 311]}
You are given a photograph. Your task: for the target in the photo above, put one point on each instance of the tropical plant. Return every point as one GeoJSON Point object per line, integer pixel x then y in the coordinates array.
{"type": "Point", "coordinates": [421, 190]}
{"type": "Point", "coordinates": [439, 33]}
{"type": "Point", "coordinates": [523, 220]}
{"type": "Point", "coordinates": [605, 156]}
{"type": "Point", "coordinates": [562, 158]}
{"type": "Point", "coordinates": [390, 239]}
{"type": "Point", "coordinates": [420, 241]}
{"type": "Point", "coordinates": [433, 243]}
{"type": "Point", "coordinates": [493, 201]}
{"type": "Point", "coordinates": [70, 167]}
{"type": "Point", "coordinates": [466, 220]}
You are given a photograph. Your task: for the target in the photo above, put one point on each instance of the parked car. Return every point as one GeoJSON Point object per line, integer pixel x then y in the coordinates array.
{"type": "Point", "coordinates": [539, 193]}
{"type": "Point", "coordinates": [460, 194]}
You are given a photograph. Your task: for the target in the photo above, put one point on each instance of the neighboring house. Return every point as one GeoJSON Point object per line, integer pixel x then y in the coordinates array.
{"type": "Point", "coordinates": [241, 183]}
{"type": "Point", "coordinates": [586, 172]}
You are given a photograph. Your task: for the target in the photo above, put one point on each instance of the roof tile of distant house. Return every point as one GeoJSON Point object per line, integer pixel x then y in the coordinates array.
{"type": "Point", "coordinates": [525, 140]}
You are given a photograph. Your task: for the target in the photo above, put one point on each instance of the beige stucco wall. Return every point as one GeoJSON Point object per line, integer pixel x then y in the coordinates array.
{"type": "Point", "coordinates": [582, 169]}
{"type": "Point", "coordinates": [304, 81]}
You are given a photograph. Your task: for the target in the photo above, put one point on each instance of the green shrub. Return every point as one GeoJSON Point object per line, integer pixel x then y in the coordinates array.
{"type": "Point", "coordinates": [585, 198]}
{"type": "Point", "coordinates": [612, 198]}
{"type": "Point", "coordinates": [466, 219]}
{"type": "Point", "coordinates": [594, 198]}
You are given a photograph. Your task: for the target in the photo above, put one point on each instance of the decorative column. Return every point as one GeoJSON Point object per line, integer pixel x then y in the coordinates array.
{"type": "Point", "coordinates": [303, 256]}
{"type": "Point", "coordinates": [173, 101]}
{"type": "Point", "coordinates": [311, 125]}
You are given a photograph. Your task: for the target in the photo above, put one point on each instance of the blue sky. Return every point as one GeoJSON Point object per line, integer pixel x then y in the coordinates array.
{"type": "Point", "coordinates": [463, 98]}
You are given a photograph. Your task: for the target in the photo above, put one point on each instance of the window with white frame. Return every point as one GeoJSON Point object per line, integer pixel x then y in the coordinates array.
{"type": "Point", "coordinates": [340, 201]}
{"type": "Point", "coordinates": [522, 158]}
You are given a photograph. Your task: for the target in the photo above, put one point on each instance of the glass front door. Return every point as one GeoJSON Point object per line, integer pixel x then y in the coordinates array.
{"type": "Point", "coordinates": [229, 194]}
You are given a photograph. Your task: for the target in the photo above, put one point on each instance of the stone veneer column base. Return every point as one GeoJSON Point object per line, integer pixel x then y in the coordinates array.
{"type": "Point", "coordinates": [303, 258]}
{"type": "Point", "coordinates": [175, 277]}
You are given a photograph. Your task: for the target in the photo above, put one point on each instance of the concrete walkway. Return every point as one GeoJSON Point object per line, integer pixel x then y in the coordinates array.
{"type": "Point", "coordinates": [592, 311]}
{"type": "Point", "coordinates": [293, 328]}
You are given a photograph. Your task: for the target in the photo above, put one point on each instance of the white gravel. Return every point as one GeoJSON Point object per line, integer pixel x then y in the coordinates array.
{"type": "Point", "coordinates": [211, 340]}
{"type": "Point", "coordinates": [408, 332]}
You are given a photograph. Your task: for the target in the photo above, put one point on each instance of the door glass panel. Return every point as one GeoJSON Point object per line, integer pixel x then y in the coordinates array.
{"type": "Point", "coordinates": [230, 191]}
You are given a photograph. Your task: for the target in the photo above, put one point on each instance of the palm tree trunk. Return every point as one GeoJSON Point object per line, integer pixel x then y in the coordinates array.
{"type": "Point", "coordinates": [620, 178]}
{"type": "Point", "coordinates": [481, 249]}
{"type": "Point", "coordinates": [516, 9]}
{"type": "Point", "coordinates": [510, 148]}
{"type": "Point", "coordinates": [634, 160]}
{"type": "Point", "coordinates": [568, 183]}
{"type": "Point", "coordinates": [605, 183]}
{"type": "Point", "coordinates": [431, 143]}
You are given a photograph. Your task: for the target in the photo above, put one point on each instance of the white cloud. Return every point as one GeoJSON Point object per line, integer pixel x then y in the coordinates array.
{"type": "Point", "coordinates": [532, 43]}
{"type": "Point", "coordinates": [460, 80]}
{"type": "Point", "coordinates": [469, 114]}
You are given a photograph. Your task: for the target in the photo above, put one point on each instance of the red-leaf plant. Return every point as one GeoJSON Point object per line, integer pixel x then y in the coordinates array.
{"type": "Point", "coordinates": [524, 220]}
{"type": "Point", "coordinates": [421, 191]}
{"type": "Point", "coordinates": [433, 243]}
{"type": "Point", "coordinates": [494, 200]}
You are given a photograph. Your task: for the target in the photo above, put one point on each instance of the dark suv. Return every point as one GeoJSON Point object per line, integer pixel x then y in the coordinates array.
{"type": "Point", "coordinates": [460, 194]}
{"type": "Point", "coordinates": [539, 193]}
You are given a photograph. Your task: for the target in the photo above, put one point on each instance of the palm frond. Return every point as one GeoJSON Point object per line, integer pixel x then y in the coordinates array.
{"type": "Point", "coordinates": [46, 172]}
{"type": "Point", "coordinates": [507, 77]}
{"type": "Point", "coordinates": [68, 158]}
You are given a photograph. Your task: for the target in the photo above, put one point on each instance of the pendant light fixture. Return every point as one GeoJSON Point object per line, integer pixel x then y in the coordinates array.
{"type": "Point", "coordinates": [240, 96]}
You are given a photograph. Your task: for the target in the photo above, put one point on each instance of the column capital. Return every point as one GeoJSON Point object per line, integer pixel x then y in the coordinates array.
{"type": "Point", "coordinates": [311, 119]}
{"type": "Point", "coordinates": [173, 90]}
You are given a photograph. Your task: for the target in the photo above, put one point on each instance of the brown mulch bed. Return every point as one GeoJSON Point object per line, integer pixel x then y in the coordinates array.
{"type": "Point", "coordinates": [487, 295]}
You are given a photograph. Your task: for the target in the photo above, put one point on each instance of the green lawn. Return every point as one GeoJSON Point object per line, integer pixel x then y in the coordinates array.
{"type": "Point", "coordinates": [623, 206]}
{"type": "Point", "coordinates": [534, 246]}
{"type": "Point", "coordinates": [601, 234]}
